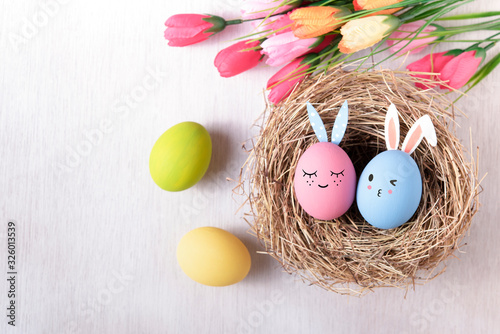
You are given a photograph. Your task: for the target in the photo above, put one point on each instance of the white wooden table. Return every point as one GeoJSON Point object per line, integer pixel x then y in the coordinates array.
{"type": "Point", "coordinates": [96, 238]}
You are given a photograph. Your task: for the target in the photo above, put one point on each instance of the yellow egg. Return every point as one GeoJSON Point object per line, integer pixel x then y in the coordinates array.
{"type": "Point", "coordinates": [212, 256]}
{"type": "Point", "coordinates": [180, 157]}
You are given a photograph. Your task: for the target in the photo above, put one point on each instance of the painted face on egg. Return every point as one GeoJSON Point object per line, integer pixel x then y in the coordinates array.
{"type": "Point", "coordinates": [325, 181]}
{"type": "Point", "coordinates": [390, 186]}
{"type": "Point", "coordinates": [389, 189]}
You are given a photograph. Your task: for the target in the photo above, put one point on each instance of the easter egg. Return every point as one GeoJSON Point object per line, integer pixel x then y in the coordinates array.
{"type": "Point", "coordinates": [180, 157]}
{"type": "Point", "coordinates": [389, 189]}
{"type": "Point", "coordinates": [214, 257]}
{"type": "Point", "coordinates": [325, 181]}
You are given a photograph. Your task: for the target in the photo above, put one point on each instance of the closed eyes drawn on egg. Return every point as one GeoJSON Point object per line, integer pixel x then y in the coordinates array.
{"type": "Point", "coordinates": [310, 174]}
{"type": "Point", "coordinates": [337, 174]}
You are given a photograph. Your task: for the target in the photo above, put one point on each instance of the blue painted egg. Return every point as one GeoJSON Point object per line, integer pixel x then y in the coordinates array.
{"type": "Point", "coordinates": [389, 189]}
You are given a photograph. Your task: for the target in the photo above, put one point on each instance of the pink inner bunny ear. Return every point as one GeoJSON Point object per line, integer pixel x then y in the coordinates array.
{"type": "Point", "coordinates": [423, 127]}
{"type": "Point", "coordinates": [392, 134]}
{"type": "Point", "coordinates": [412, 140]}
{"type": "Point", "coordinates": [392, 128]}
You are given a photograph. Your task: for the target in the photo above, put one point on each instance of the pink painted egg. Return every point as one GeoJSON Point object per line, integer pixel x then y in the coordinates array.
{"type": "Point", "coordinates": [325, 181]}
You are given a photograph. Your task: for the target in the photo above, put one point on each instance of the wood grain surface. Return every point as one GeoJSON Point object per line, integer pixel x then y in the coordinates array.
{"type": "Point", "coordinates": [86, 88]}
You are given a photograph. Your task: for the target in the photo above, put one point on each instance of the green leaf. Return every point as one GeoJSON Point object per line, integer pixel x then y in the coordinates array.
{"type": "Point", "coordinates": [319, 40]}
{"type": "Point", "coordinates": [469, 16]}
{"type": "Point", "coordinates": [423, 11]}
{"type": "Point", "coordinates": [405, 3]}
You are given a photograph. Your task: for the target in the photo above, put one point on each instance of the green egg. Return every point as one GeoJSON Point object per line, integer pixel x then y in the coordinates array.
{"type": "Point", "coordinates": [180, 157]}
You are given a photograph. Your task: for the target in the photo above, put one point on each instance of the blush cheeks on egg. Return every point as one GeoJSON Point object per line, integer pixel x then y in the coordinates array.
{"type": "Point", "coordinates": [325, 181]}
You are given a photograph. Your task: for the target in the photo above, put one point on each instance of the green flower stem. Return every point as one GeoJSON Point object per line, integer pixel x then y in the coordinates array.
{"type": "Point", "coordinates": [485, 48]}
{"type": "Point", "coordinates": [273, 10]}
{"type": "Point", "coordinates": [443, 11]}
{"type": "Point", "coordinates": [323, 54]}
{"type": "Point", "coordinates": [452, 31]}
{"type": "Point", "coordinates": [330, 3]}
{"type": "Point", "coordinates": [457, 32]}
{"type": "Point", "coordinates": [491, 37]}
{"type": "Point", "coordinates": [469, 16]}
{"type": "Point", "coordinates": [332, 47]}
{"type": "Point", "coordinates": [326, 50]}
{"type": "Point", "coordinates": [239, 21]}
{"type": "Point", "coordinates": [454, 41]}
{"type": "Point", "coordinates": [489, 46]}
{"type": "Point", "coordinates": [477, 26]}
{"type": "Point", "coordinates": [421, 12]}
{"type": "Point", "coordinates": [362, 13]}
{"type": "Point", "coordinates": [231, 22]}
{"type": "Point", "coordinates": [262, 34]}
{"type": "Point", "coordinates": [443, 36]}
{"type": "Point", "coordinates": [405, 3]}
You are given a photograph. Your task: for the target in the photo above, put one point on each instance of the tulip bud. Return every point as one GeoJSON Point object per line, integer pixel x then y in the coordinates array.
{"type": "Point", "coordinates": [188, 29]}
{"type": "Point", "coordinates": [454, 67]}
{"type": "Point", "coordinates": [238, 58]}
{"type": "Point", "coordinates": [374, 4]}
{"type": "Point", "coordinates": [316, 21]}
{"type": "Point", "coordinates": [362, 33]}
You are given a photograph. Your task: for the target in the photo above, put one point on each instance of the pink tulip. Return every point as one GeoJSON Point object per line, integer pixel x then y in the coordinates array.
{"type": "Point", "coordinates": [273, 27]}
{"type": "Point", "coordinates": [458, 71]}
{"type": "Point", "coordinates": [454, 67]}
{"type": "Point", "coordinates": [262, 8]}
{"type": "Point", "coordinates": [406, 32]}
{"type": "Point", "coordinates": [236, 59]}
{"type": "Point", "coordinates": [284, 48]}
{"type": "Point", "coordinates": [187, 29]}
{"type": "Point", "coordinates": [282, 83]}
{"type": "Point", "coordinates": [432, 63]}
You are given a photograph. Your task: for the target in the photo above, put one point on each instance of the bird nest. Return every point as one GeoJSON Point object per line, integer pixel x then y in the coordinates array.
{"type": "Point", "coordinates": [347, 255]}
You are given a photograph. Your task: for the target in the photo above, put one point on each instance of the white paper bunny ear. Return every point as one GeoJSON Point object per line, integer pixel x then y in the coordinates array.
{"type": "Point", "coordinates": [392, 128]}
{"type": "Point", "coordinates": [317, 123]}
{"type": "Point", "coordinates": [340, 124]}
{"type": "Point", "coordinates": [423, 127]}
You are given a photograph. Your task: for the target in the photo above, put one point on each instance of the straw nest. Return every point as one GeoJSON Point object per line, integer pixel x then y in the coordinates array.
{"type": "Point", "coordinates": [347, 255]}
